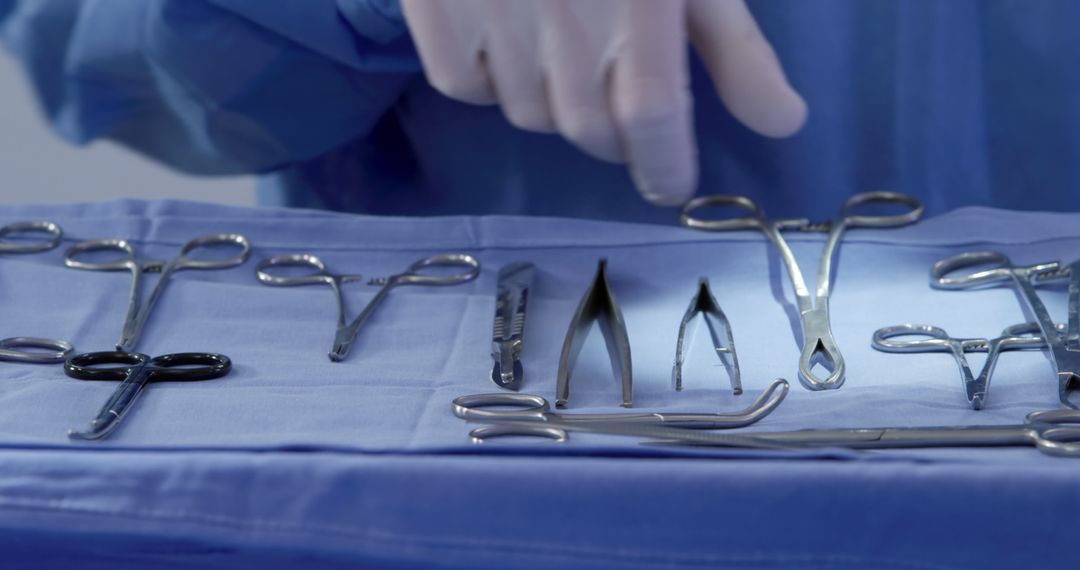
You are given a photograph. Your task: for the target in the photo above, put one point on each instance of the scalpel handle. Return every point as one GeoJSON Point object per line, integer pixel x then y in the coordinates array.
{"type": "Point", "coordinates": [508, 332]}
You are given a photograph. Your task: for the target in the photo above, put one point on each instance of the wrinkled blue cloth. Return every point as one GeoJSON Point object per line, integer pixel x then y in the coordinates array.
{"type": "Point", "coordinates": [292, 459]}
{"type": "Point", "coordinates": [966, 102]}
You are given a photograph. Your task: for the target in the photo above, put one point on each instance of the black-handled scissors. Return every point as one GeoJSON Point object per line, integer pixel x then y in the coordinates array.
{"type": "Point", "coordinates": [135, 371]}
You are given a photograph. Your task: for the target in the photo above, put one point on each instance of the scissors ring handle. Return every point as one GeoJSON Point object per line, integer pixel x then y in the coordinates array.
{"type": "Point", "coordinates": [35, 226]}
{"type": "Point", "coordinates": [484, 433]}
{"type": "Point", "coordinates": [88, 366]}
{"type": "Point", "coordinates": [993, 267]}
{"type": "Point", "coordinates": [118, 245]}
{"type": "Point", "coordinates": [753, 220]}
{"type": "Point", "coordinates": [527, 405]}
{"type": "Point", "coordinates": [195, 366]}
{"type": "Point", "coordinates": [50, 351]}
{"type": "Point", "coordinates": [1060, 440]}
{"type": "Point", "coordinates": [937, 338]}
{"type": "Point", "coordinates": [214, 239]}
{"type": "Point", "coordinates": [413, 277]}
{"type": "Point", "coordinates": [320, 274]}
{"type": "Point", "coordinates": [882, 197]}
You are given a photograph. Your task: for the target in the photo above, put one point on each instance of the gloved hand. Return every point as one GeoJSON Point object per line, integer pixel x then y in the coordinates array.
{"type": "Point", "coordinates": [609, 75]}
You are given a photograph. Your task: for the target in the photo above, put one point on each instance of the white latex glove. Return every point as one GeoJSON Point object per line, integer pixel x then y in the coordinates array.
{"type": "Point", "coordinates": [609, 75]}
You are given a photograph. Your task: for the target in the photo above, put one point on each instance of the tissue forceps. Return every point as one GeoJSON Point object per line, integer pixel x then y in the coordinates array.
{"type": "Point", "coordinates": [135, 371]}
{"type": "Point", "coordinates": [533, 417]}
{"type": "Point", "coordinates": [719, 329]}
{"type": "Point", "coordinates": [818, 343]}
{"type": "Point", "coordinates": [138, 314]}
{"type": "Point", "coordinates": [598, 305]}
{"type": "Point", "coordinates": [346, 332]}
{"type": "Point", "coordinates": [935, 339]}
{"type": "Point", "coordinates": [47, 350]}
{"type": "Point", "coordinates": [992, 268]}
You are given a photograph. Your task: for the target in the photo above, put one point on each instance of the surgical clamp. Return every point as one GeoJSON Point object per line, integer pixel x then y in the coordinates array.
{"type": "Point", "coordinates": [719, 329]}
{"type": "Point", "coordinates": [597, 305]}
{"type": "Point", "coordinates": [935, 339]}
{"type": "Point", "coordinates": [137, 313]}
{"type": "Point", "coordinates": [995, 267]}
{"type": "Point", "coordinates": [818, 343]}
{"type": "Point", "coordinates": [346, 333]}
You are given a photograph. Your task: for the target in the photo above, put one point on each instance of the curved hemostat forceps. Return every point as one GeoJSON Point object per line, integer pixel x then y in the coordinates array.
{"type": "Point", "coordinates": [346, 332]}
{"type": "Point", "coordinates": [135, 371]}
{"type": "Point", "coordinates": [45, 350]}
{"type": "Point", "coordinates": [720, 331]}
{"type": "Point", "coordinates": [138, 314]}
{"type": "Point", "coordinates": [532, 416]}
{"type": "Point", "coordinates": [992, 268]}
{"type": "Point", "coordinates": [597, 305]}
{"type": "Point", "coordinates": [935, 339]}
{"type": "Point", "coordinates": [508, 334]}
{"type": "Point", "coordinates": [1053, 432]}
{"type": "Point", "coordinates": [818, 343]}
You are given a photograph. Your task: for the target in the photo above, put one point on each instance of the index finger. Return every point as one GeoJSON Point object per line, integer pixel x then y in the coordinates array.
{"type": "Point", "coordinates": [651, 100]}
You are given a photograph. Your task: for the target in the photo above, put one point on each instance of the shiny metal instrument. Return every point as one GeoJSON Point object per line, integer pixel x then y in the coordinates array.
{"type": "Point", "coordinates": [991, 268]}
{"type": "Point", "coordinates": [508, 335]}
{"type": "Point", "coordinates": [1053, 432]}
{"type": "Point", "coordinates": [50, 231]}
{"type": "Point", "coordinates": [719, 329]}
{"type": "Point", "coordinates": [532, 416]}
{"type": "Point", "coordinates": [819, 347]}
{"type": "Point", "coordinates": [41, 350]}
{"type": "Point", "coordinates": [927, 338]}
{"type": "Point", "coordinates": [138, 314]}
{"type": "Point", "coordinates": [134, 371]}
{"type": "Point", "coordinates": [346, 332]}
{"type": "Point", "coordinates": [599, 306]}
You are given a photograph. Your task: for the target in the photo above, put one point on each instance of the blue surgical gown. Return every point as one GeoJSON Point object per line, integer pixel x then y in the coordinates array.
{"type": "Point", "coordinates": [961, 102]}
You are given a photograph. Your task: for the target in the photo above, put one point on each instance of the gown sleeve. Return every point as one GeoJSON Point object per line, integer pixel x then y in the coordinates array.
{"type": "Point", "coordinates": [213, 86]}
